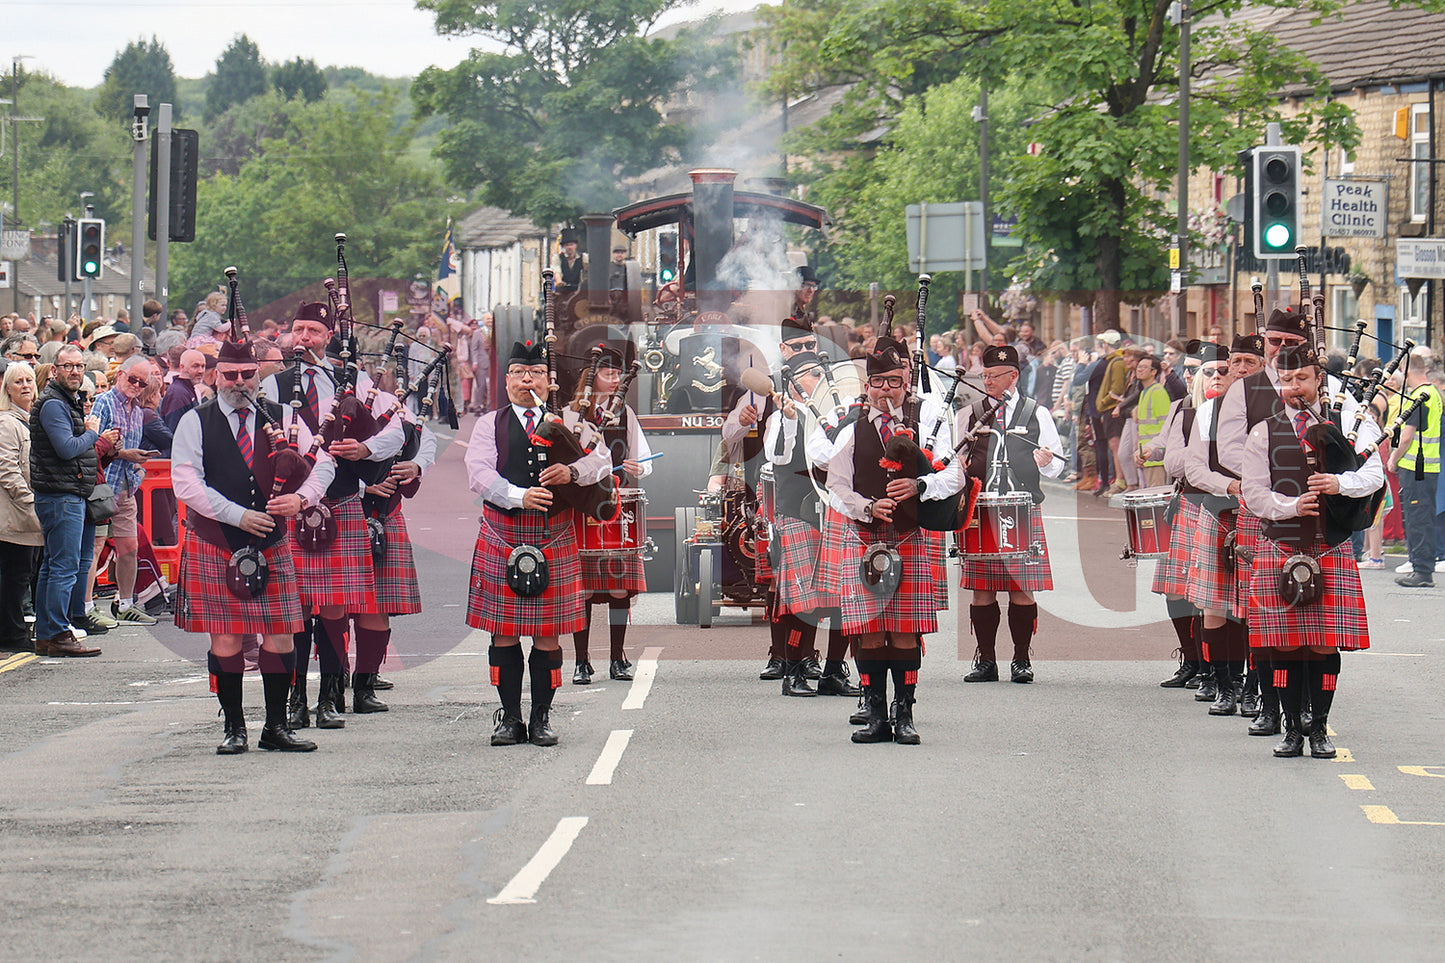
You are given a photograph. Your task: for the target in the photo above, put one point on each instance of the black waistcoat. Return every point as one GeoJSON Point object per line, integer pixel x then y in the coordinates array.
{"type": "Point", "coordinates": [1021, 448]}
{"type": "Point", "coordinates": [794, 492]}
{"type": "Point", "coordinates": [225, 470]}
{"type": "Point", "coordinates": [1187, 413]}
{"type": "Point", "coordinates": [1290, 466]}
{"type": "Point", "coordinates": [518, 460]}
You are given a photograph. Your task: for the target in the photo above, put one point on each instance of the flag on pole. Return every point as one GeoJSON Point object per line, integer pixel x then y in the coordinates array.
{"type": "Point", "coordinates": [449, 276]}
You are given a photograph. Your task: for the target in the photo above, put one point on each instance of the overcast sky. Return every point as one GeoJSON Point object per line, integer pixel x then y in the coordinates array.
{"type": "Point", "coordinates": [75, 40]}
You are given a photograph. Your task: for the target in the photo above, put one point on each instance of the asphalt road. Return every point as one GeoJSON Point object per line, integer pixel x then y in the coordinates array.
{"type": "Point", "coordinates": [1091, 815]}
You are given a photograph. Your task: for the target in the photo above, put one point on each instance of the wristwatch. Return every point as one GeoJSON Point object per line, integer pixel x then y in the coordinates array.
{"type": "Point", "coordinates": [573, 470]}
{"type": "Point", "coordinates": [922, 486]}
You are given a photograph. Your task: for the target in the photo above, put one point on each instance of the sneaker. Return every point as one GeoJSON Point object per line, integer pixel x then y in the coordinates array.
{"type": "Point", "coordinates": [1415, 581]}
{"type": "Point", "coordinates": [158, 607]}
{"type": "Point", "coordinates": [86, 626]}
{"type": "Point", "coordinates": [100, 616]}
{"type": "Point", "coordinates": [1440, 564]}
{"type": "Point", "coordinates": [1373, 564]}
{"type": "Point", "coordinates": [1405, 569]}
{"type": "Point", "coordinates": [133, 615]}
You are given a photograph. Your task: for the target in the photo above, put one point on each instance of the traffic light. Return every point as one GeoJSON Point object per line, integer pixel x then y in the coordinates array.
{"type": "Point", "coordinates": [1276, 202]}
{"type": "Point", "coordinates": [65, 261]}
{"type": "Point", "coordinates": [89, 248]}
{"type": "Point", "coordinates": [666, 257]}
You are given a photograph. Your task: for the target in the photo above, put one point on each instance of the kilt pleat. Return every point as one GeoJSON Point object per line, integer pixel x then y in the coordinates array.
{"type": "Point", "coordinates": [619, 570]}
{"type": "Point", "coordinates": [1171, 577]}
{"type": "Point", "coordinates": [912, 608]}
{"type": "Point", "coordinates": [343, 575]}
{"type": "Point", "coordinates": [1210, 584]}
{"type": "Point", "coordinates": [1337, 618]}
{"type": "Point", "coordinates": [204, 604]}
{"type": "Point", "coordinates": [993, 574]}
{"type": "Point", "coordinates": [1250, 534]}
{"type": "Point", "coordinates": [938, 554]}
{"type": "Point", "coordinates": [493, 607]}
{"type": "Point", "coordinates": [397, 591]}
{"type": "Point", "coordinates": [795, 580]}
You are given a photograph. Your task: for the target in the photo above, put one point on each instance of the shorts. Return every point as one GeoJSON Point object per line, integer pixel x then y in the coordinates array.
{"type": "Point", "coordinates": [123, 523]}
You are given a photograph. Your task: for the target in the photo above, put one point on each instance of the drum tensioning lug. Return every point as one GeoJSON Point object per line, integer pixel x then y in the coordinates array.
{"type": "Point", "coordinates": [648, 550]}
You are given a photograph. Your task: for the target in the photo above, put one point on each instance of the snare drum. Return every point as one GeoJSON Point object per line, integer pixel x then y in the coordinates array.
{"type": "Point", "coordinates": [1145, 512]}
{"type": "Point", "coordinates": [627, 532]}
{"type": "Point", "coordinates": [1000, 526]}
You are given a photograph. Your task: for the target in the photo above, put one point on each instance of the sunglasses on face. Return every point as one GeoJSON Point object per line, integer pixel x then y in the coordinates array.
{"type": "Point", "coordinates": [1214, 371]}
{"type": "Point", "coordinates": [1281, 342]}
{"type": "Point", "coordinates": [27, 357]}
{"type": "Point", "coordinates": [802, 344]}
{"type": "Point", "coordinates": [138, 382]}
{"type": "Point", "coordinates": [243, 375]}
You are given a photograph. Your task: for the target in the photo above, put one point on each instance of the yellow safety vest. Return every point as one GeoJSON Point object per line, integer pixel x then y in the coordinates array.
{"type": "Point", "coordinates": [1426, 444]}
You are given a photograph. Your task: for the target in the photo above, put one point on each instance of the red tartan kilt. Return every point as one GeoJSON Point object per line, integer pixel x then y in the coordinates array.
{"type": "Point", "coordinates": [493, 607]}
{"type": "Point", "coordinates": [913, 608]}
{"type": "Point", "coordinates": [1210, 585]}
{"type": "Point", "coordinates": [343, 575]}
{"type": "Point", "coordinates": [1337, 618]}
{"type": "Point", "coordinates": [992, 574]}
{"type": "Point", "coordinates": [795, 580]}
{"type": "Point", "coordinates": [1171, 577]}
{"type": "Point", "coordinates": [1250, 533]}
{"type": "Point", "coordinates": [619, 570]}
{"type": "Point", "coordinates": [397, 591]}
{"type": "Point", "coordinates": [938, 552]}
{"type": "Point", "coordinates": [204, 604]}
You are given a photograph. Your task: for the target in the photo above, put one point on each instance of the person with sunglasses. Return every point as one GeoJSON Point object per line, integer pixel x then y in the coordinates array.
{"type": "Point", "coordinates": [22, 347]}
{"type": "Point", "coordinates": [120, 408]}
{"type": "Point", "coordinates": [223, 471]}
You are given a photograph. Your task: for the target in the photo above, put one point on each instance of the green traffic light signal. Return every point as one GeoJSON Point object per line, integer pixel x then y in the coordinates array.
{"type": "Point", "coordinates": [1278, 237]}
{"type": "Point", "coordinates": [1276, 200]}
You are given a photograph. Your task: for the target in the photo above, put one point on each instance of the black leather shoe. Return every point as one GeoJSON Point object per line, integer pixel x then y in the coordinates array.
{"type": "Point", "coordinates": [773, 671]}
{"type": "Point", "coordinates": [1225, 702]}
{"type": "Point", "coordinates": [811, 668]}
{"type": "Point", "coordinates": [835, 681]}
{"type": "Point", "coordinates": [235, 742]}
{"type": "Point", "coordinates": [1320, 745]}
{"type": "Point", "coordinates": [383, 685]}
{"type": "Point", "coordinates": [877, 727]}
{"type": "Point", "coordinates": [1293, 743]}
{"type": "Point", "coordinates": [582, 675]}
{"type": "Point", "coordinates": [1198, 679]}
{"type": "Point", "coordinates": [1265, 724]}
{"type": "Point", "coordinates": [903, 732]}
{"type": "Point", "coordinates": [540, 733]}
{"type": "Point", "coordinates": [339, 696]}
{"type": "Point", "coordinates": [1249, 704]}
{"type": "Point", "coordinates": [1020, 670]}
{"type": "Point", "coordinates": [363, 698]}
{"type": "Point", "coordinates": [795, 681]}
{"type": "Point", "coordinates": [298, 716]}
{"type": "Point", "coordinates": [1181, 676]}
{"type": "Point", "coordinates": [283, 740]}
{"type": "Point", "coordinates": [510, 730]}
{"type": "Point", "coordinates": [1208, 689]}
{"type": "Point", "coordinates": [620, 669]}
{"type": "Point", "coordinates": [327, 715]}
{"type": "Point", "coordinates": [983, 671]}
{"type": "Point", "coordinates": [861, 716]}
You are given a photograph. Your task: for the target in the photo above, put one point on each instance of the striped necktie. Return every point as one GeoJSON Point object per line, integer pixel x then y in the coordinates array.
{"type": "Point", "coordinates": [243, 435]}
{"type": "Point", "coordinates": [885, 426]}
{"type": "Point", "coordinates": [313, 403]}
{"type": "Point", "coordinates": [531, 424]}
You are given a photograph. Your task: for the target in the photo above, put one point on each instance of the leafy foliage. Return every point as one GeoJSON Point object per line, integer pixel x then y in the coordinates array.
{"type": "Point", "coordinates": [572, 103]}
{"type": "Point", "coordinates": [240, 75]}
{"type": "Point", "coordinates": [143, 67]}
{"type": "Point", "coordinates": [299, 79]}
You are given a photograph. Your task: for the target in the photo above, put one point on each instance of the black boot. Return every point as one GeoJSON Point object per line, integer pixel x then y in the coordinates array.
{"type": "Point", "coordinates": [545, 673]}
{"type": "Point", "coordinates": [508, 668]}
{"type": "Point", "coordinates": [327, 715]}
{"type": "Point", "coordinates": [276, 735]}
{"type": "Point", "coordinates": [298, 714]}
{"type": "Point", "coordinates": [1322, 677]}
{"type": "Point", "coordinates": [510, 729]}
{"type": "Point", "coordinates": [835, 681]}
{"type": "Point", "coordinates": [1226, 700]}
{"type": "Point", "coordinates": [228, 694]}
{"type": "Point", "coordinates": [363, 694]}
{"type": "Point", "coordinates": [1208, 689]}
{"type": "Point", "coordinates": [795, 679]}
{"type": "Point", "coordinates": [1320, 745]}
{"type": "Point", "coordinates": [811, 667]}
{"type": "Point", "coordinates": [234, 742]}
{"type": "Point", "coordinates": [619, 670]}
{"type": "Point", "coordinates": [582, 675]}
{"type": "Point", "coordinates": [983, 671]}
{"type": "Point", "coordinates": [1181, 676]}
{"type": "Point", "coordinates": [1293, 742]}
{"type": "Point", "coordinates": [985, 620]}
{"type": "Point", "coordinates": [773, 671]}
{"type": "Point", "coordinates": [876, 728]}
{"type": "Point", "coordinates": [1267, 722]}
{"type": "Point", "coordinates": [539, 731]}
{"type": "Point", "coordinates": [903, 732]}
{"type": "Point", "coordinates": [1249, 694]}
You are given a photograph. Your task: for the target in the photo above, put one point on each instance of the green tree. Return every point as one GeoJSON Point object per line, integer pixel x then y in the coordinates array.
{"type": "Point", "coordinates": [327, 168]}
{"type": "Point", "coordinates": [240, 75]}
{"type": "Point", "coordinates": [1090, 207]}
{"type": "Point", "coordinates": [550, 124]}
{"type": "Point", "coordinates": [299, 79]}
{"type": "Point", "coordinates": [143, 67]}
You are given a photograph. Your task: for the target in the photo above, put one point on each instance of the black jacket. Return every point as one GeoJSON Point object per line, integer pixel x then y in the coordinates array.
{"type": "Point", "coordinates": [48, 471]}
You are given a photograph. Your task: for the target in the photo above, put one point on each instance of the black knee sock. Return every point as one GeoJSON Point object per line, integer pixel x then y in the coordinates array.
{"type": "Point", "coordinates": [1238, 640]}
{"type": "Point", "coordinates": [371, 649]}
{"type": "Point", "coordinates": [506, 662]}
{"type": "Point", "coordinates": [301, 643]}
{"type": "Point", "coordinates": [1264, 671]}
{"type": "Point", "coordinates": [873, 672]}
{"type": "Point", "coordinates": [276, 686]}
{"type": "Point", "coordinates": [619, 613]}
{"type": "Point", "coordinates": [1182, 614]}
{"type": "Point", "coordinates": [1324, 676]}
{"type": "Point", "coordinates": [1214, 644]}
{"type": "Point", "coordinates": [580, 639]}
{"type": "Point", "coordinates": [1022, 620]}
{"type": "Point", "coordinates": [1289, 683]}
{"type": "Point", "coordinates": [546, 671]}
{"type": "Point", "coordinates": [792, 632]}
{"type": "Point", "coordinates": [904, 664]}
{"type": "Point", "coordinates": [837, 642]}
{"type": "Point", "coordinates": [985, 619]}
{"type": "Point", "coordinates": [330, 640]}
{"type": "Point", "coordinates": [226, 681]}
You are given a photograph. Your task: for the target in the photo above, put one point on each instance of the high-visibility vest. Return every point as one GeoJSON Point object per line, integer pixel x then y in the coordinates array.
{"type": "Point", "coordinates": [1426, 444]}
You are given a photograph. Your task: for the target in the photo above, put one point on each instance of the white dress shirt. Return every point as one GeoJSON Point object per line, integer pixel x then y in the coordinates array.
{"type": "Point", "coordinates": [483, 477]}
{"type": "Point", "coordinates": [1265, 502]}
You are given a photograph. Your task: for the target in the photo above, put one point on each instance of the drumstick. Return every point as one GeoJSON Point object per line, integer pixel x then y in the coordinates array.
{"type": "Point", "coordinates": [1021, 431]}
{"type": "Point", "coordinates": [640, 461]}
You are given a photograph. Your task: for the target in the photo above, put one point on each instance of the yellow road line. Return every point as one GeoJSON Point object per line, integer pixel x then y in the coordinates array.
{"type": "Point", "coordinates": [17, 660]}
{"type": "Point", "coordinates": [1422, 771]}
{"type": "Point", "coordinates": [1343, 755]}
{"type": "Point", "coordinates": [1383, 816]}
{"type": "Point", "coordinates": [1357, 782]}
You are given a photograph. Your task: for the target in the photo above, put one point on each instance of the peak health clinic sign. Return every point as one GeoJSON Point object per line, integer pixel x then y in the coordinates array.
{"type": "Point", "coordinates": [1355, 207]}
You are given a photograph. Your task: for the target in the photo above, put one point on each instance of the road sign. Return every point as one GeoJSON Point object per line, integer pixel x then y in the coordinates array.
{"type": "Point", "coordinates": [945, 237]}
{"type": "Point", "coordinates": [4, 274]}
{"type": "Point", "coordinates": [1422, 257]}
{"type": "Point", "coordinates": [15, 245]}
{"type": "Point", "coordinates": [1354, 208]}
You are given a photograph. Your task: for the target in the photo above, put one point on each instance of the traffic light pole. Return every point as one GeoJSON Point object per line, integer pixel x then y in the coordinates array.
{"type": "Point", "coordinates": [67, 257]}
{"type": "Point", "coordinates": [85, 292]}
{"type": "Point", "coordinates": [137, 207]}
{"type": "Point", "coordinates": [163, 206]}
{"type": "Point", "coordinates": [1272, 138]}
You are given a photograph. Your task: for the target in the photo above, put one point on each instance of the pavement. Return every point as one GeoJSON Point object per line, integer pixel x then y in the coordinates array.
{"type": "Point", "coordinates": [697, 813]}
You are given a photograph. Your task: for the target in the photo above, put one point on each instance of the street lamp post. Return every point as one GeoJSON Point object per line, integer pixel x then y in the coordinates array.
{"type": "Point", "coordinates": [1181, 323]}
{"type": "Point", "coordinates": [137, 205]}
{"type": "Point", "coordinates": [85, 197]}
